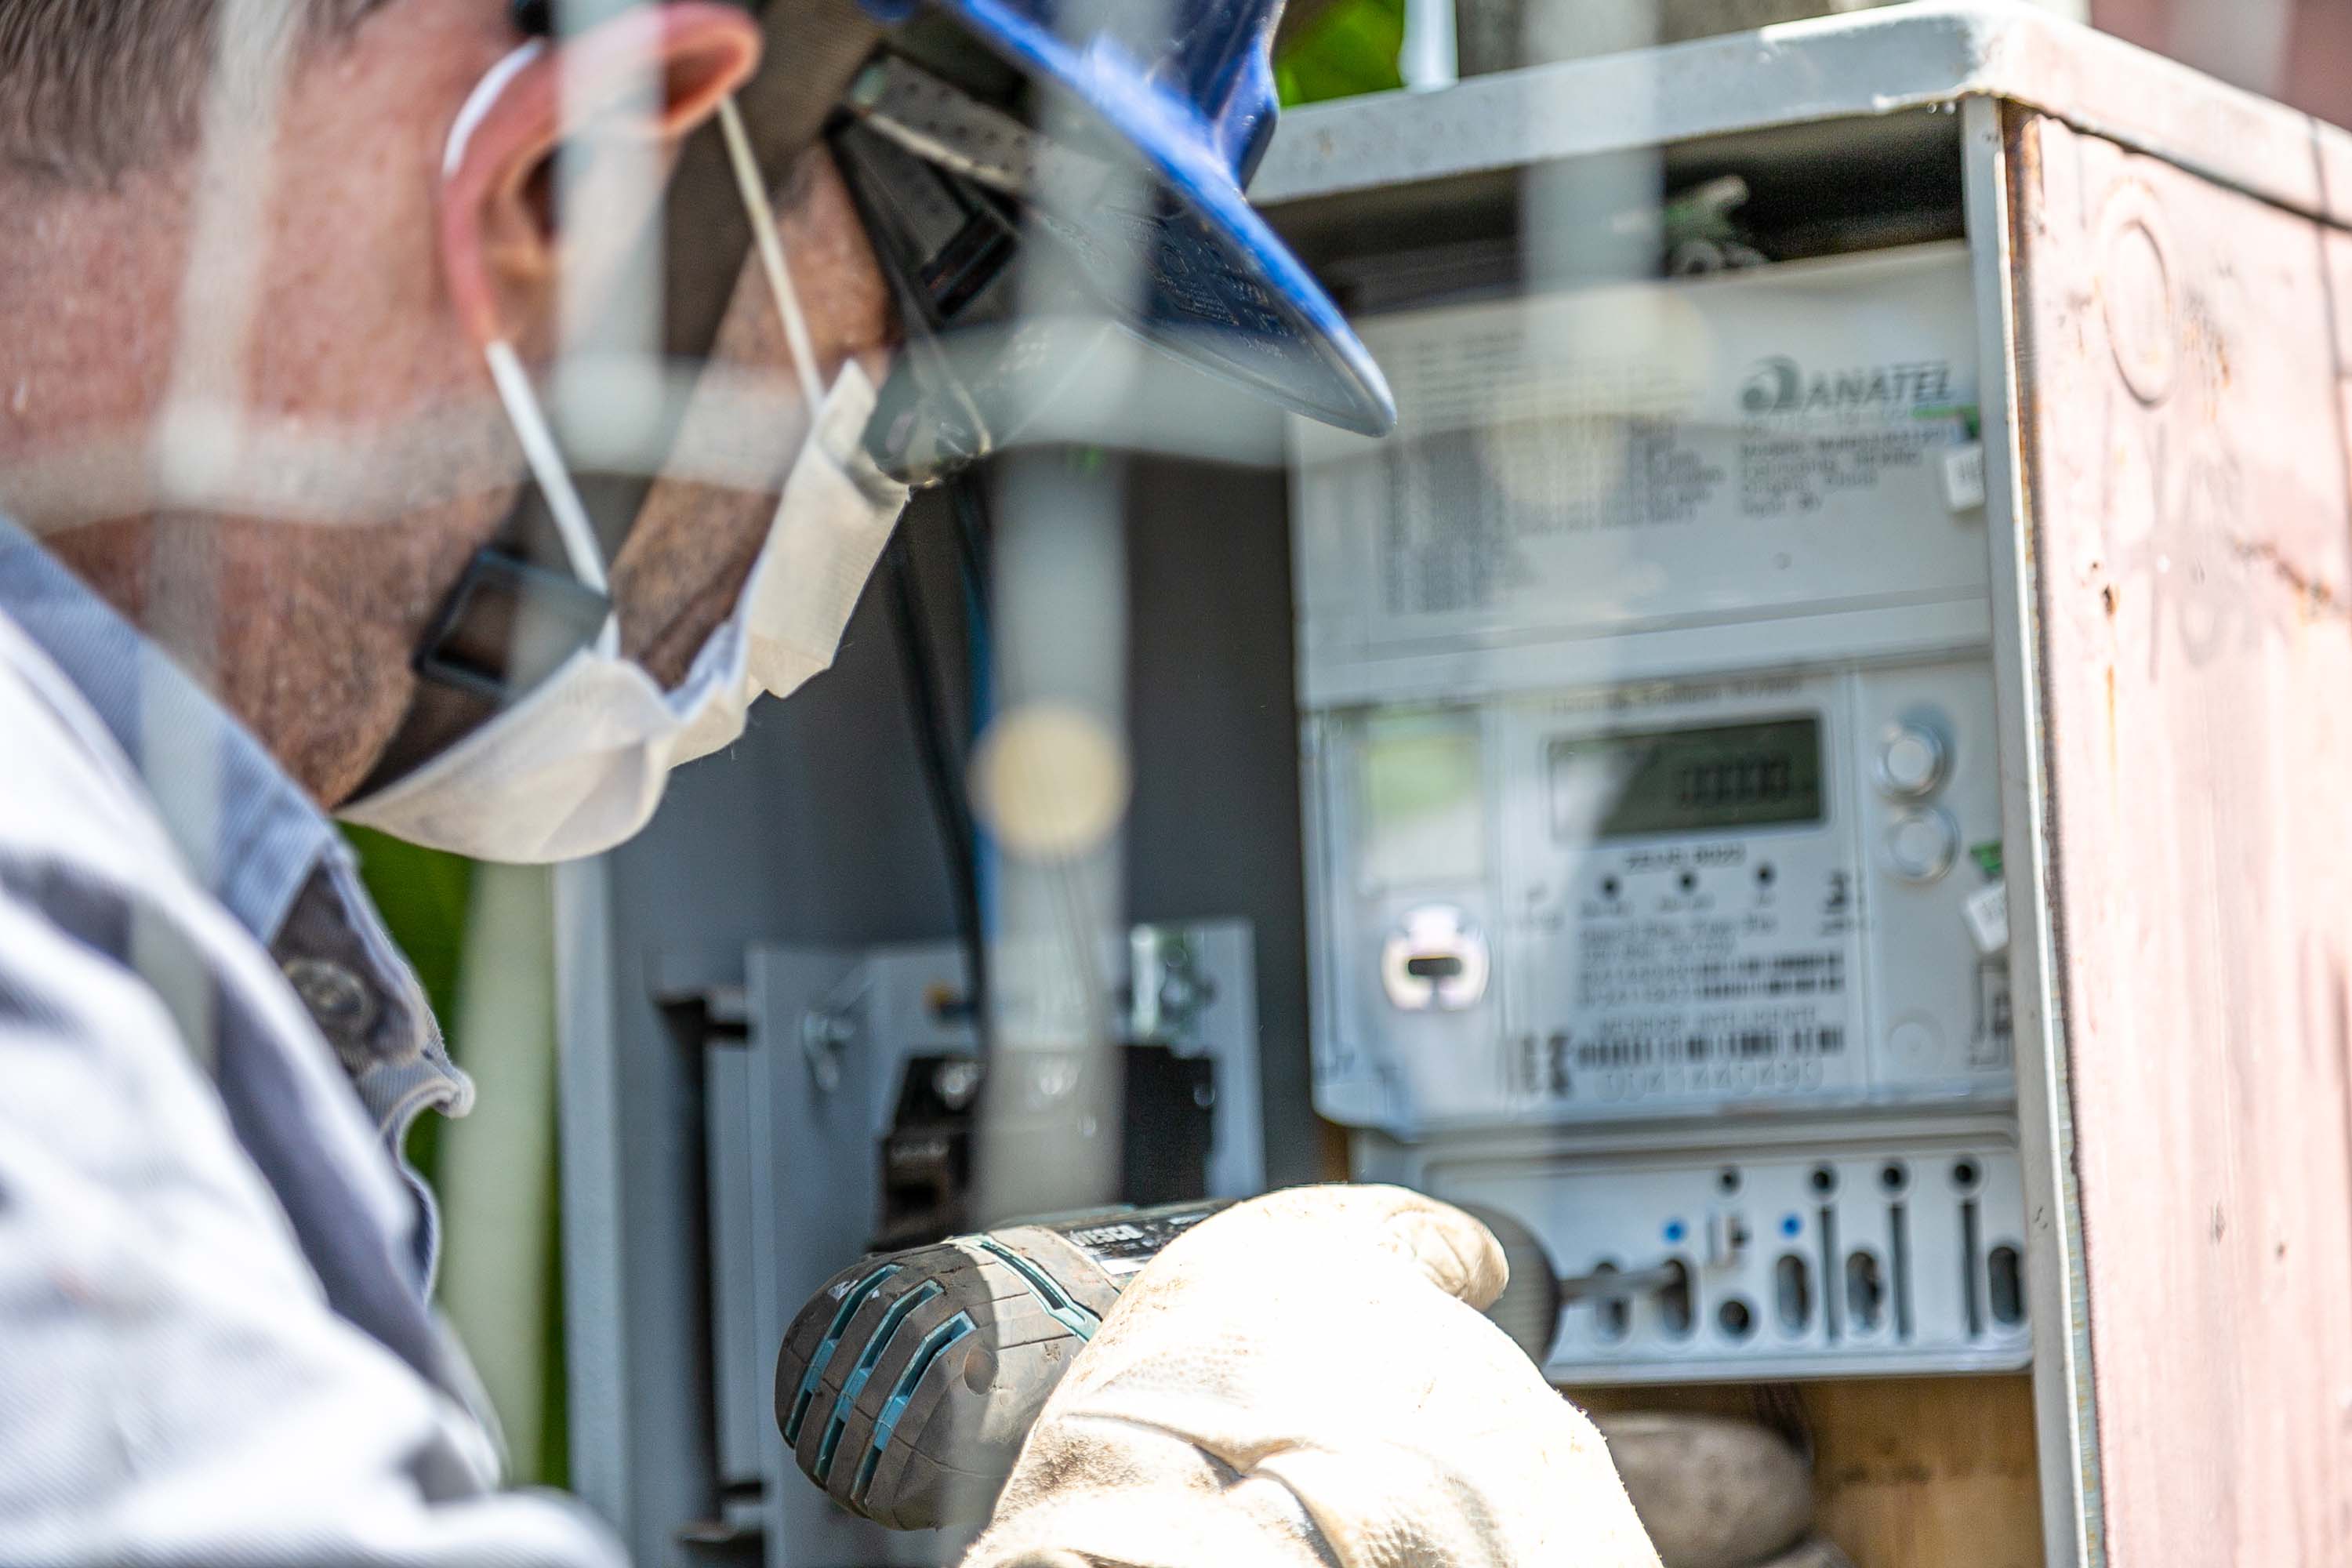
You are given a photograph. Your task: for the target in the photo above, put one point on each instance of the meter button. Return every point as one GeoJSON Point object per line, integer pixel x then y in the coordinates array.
{"type": "Point", "coordinates": [1911, 761]}
{"type": "Point", "coordinates": [1922, 845]}
{"type": "Point", "coordinates": [1435, 960]}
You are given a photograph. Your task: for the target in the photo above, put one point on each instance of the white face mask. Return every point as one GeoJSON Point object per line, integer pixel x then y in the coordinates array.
{"type": "Point", "coordinates": [579, 764]}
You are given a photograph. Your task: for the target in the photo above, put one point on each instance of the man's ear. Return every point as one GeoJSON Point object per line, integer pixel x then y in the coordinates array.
{"type": "Point", "coordinates": [499, 238]}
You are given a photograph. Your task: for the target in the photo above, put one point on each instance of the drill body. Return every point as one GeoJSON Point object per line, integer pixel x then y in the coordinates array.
{"type": "Point", "coordinates": [906, 1385]}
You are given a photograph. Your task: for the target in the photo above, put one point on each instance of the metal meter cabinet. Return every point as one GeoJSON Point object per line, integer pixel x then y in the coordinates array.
{"type": "Point", "coordinates": [2162, 285]}
{"type": "Point", "coordinates": [2156, 268]}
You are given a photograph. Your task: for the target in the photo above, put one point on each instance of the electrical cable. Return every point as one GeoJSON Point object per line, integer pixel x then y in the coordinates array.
{"type": "Point", "coordinates": [968, 495]}
{"type": "Point", "coordinates": [974, 528]}
{"type": "Point", "coordinates": [942, 771]}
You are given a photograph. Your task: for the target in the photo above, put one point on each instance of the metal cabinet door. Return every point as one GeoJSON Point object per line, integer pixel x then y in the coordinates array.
{"type": "Point", "coordinates": [2180, 355]}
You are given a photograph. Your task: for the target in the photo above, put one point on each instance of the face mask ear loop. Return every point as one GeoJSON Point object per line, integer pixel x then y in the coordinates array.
{"type": "Point", "coordinates": [581, 551]}
{"type": "Point", "coordinates": [771, 250]}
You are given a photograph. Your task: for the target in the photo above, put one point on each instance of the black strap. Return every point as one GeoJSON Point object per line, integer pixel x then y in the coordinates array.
{"type": "Point", "coordinates": [505, 629]}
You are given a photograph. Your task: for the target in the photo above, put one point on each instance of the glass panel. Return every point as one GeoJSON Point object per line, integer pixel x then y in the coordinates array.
{"type": "Point", "coordinates": [1687, 781]}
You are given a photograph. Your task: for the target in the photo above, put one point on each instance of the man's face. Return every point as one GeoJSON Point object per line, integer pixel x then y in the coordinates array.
{"type": "Point", "coordinates": [325, 326]}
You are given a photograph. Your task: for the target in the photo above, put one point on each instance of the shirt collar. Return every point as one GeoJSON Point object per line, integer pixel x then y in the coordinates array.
{"type": "Point", "coordinates": [250, 836]}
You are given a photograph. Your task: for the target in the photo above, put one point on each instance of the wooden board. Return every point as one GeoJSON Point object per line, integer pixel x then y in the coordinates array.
{"type": "Point", "coordinates": [2181, 356]}
{"type": "Point", "coordinates": [1928, 1472]}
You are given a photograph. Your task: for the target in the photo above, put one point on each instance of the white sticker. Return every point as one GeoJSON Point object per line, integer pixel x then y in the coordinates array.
{"type": "Point", "coordinates": [1964, 481]}
{"type": "Point", "coordinates": [1987, 913]}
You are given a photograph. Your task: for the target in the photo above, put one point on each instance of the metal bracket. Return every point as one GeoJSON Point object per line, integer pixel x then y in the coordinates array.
{"type": "Point", "coordinates": [830, 1027]}
{"type": "Point", "coordinates": [1167, 985]}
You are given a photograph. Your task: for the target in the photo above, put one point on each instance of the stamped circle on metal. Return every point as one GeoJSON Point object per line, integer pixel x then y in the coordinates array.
{"type": "Point", "coordinates": [2136, 294]}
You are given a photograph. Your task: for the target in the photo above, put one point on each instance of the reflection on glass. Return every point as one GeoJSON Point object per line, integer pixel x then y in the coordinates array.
{"type": "Point", "coordinates": [1422, 783]}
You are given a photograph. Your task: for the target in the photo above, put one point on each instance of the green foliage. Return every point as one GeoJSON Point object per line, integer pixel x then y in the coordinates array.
{"type": "Point", "coordinates": [1351, 48]}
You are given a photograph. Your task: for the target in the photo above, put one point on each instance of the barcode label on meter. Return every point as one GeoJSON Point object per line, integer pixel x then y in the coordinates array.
{"type": "Point", "coordinates": [1609, 981]}
{"type": "Point", "coordinates": [1742, 1059]}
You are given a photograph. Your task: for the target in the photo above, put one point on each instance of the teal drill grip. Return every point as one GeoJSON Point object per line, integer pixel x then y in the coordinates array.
{"type": "Point", "coordinates": [906, 1385]}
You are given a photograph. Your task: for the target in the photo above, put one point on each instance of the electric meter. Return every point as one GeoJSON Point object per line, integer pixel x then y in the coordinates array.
{"type": "Point", "coordinates": [1650, 768]}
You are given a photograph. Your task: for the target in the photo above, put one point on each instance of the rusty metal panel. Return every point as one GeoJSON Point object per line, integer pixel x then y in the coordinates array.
{"type": "Point", "coordinates": [2182, 352]}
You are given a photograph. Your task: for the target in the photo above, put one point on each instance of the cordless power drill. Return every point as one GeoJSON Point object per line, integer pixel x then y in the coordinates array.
{"type": "Point", "coordinates": [906, 1385]}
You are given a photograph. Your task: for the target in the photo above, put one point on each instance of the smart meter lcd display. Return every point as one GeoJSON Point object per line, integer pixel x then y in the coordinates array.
{"type": "Point", "coordinates": [1687, 781]}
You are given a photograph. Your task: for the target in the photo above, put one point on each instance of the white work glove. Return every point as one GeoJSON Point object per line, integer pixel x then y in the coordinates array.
{"type": "Point", "coordinates": [1305, 1380]}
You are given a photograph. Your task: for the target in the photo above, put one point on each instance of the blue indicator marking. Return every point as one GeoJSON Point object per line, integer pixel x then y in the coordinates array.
{"type": "Point", "coordinates": [1674, 1231]}
{"type": "Point", "coordinates": [900, 1309]}
{"type": "Point", "coordinates": [1791, 1225]}
{"type": "Point", "coordinates": [851, 1301]}
{"type": "Point", "coordinates": [935, 1344]}
{"type": "Point", "coordinates": [1072, 1315]}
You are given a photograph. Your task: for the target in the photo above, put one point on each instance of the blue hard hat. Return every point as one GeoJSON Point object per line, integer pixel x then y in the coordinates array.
{"type": "Point", "coordinates": [1189, 86]}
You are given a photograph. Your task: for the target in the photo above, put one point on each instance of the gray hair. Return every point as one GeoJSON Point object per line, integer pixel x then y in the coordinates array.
{"type": "Point", "coordinates": [91, 89]}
